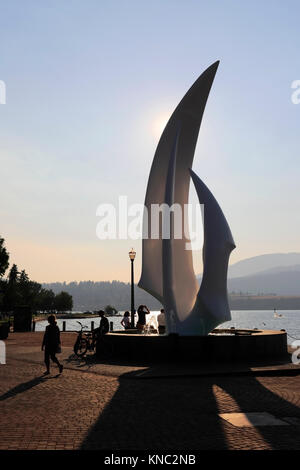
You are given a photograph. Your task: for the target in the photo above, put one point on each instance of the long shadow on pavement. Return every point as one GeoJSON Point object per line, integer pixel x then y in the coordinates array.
{"type": "Point", "coordinates": [157, 414]}
{"type": "Point", "coordinates": [251, 396]}
{"type": "Point", "coordinates": [26, 386]}
{"type": "Point", "coordinates": [182, 413]}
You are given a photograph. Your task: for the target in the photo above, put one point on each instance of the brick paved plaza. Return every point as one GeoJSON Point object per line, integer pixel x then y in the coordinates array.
{"type": "Point", "coordinates": [119, 406]}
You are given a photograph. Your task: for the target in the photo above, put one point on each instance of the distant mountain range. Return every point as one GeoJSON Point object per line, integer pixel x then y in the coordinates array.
{"type": "Point", "coordinates": [257, 264]}
{"type": "Point", "coordinates": [285, 282]}
{"type": "Point", "coordinates": [277, 274]}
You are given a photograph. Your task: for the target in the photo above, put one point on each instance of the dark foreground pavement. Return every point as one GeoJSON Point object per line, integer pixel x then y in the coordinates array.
{"type": "Point", "coordinates": [112, 406]}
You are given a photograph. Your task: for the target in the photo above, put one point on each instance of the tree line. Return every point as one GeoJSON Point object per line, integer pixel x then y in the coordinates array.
{"type": "Point", "coordinates": [92, 295]}
{"type": "Point", "coordinates": [17, 290]}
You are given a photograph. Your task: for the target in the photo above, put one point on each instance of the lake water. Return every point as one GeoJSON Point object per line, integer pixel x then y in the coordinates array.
{"type": "Point", "coordinates": [262, 319]}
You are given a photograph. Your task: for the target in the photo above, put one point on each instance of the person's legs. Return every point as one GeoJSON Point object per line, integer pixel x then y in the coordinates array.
{"type": "Point", "coordinates": [140, 327]}
{"type": "Point", "coordinates": [54, 359]}
{"type": "Point", "coordinates": [95, 333]}
{"type": "Point", "coordinates": [47, 360]}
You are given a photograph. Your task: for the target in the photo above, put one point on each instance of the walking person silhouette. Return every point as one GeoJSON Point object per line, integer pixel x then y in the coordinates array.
{"type": "Point", "coordinates": [52, 345]}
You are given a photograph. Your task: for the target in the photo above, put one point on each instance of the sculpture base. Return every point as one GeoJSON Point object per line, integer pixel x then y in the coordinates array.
{"type": "Point", "coordinates": [220, 346]}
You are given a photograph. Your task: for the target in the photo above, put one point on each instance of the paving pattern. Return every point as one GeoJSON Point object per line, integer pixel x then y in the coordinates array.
{"type": "Point", "coordinates": [109, 407]}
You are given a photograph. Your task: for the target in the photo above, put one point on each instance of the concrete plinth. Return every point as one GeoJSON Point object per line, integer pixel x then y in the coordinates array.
{"type": "Point", "coordinates": [226, 345]}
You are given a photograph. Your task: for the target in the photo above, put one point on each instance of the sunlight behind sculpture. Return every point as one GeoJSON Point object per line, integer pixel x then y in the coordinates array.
{"type": "Point", "coordinates": [167, 268]}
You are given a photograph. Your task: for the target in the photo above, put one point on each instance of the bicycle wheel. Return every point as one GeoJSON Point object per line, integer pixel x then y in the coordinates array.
{"type": "Point", "coordinates": [80, 347]}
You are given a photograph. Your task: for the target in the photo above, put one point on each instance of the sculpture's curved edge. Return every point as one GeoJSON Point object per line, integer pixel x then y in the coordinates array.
{"type": "Point", "coordinates": [190, 112]}
{"type": "Point", "coordinates": [211, 307]}
{"type": "Point", "coordinates": [217, 220]}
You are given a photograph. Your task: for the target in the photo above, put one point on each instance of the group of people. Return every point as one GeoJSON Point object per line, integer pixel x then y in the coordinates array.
{"type": "Point", "coordinates": [52, 345]}
{"type": "Point", "coordinates": [142, 311]}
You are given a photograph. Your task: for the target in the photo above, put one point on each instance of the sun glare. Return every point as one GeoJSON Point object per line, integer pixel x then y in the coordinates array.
{"type": "Point", "coordinates": [159, 123]}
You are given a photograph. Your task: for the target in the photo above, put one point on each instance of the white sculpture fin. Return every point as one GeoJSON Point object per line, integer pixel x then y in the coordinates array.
{"type": "Point", "coordinates": [167, 270]}
{"type": "Point", "coordinates": [211, 307]}
{"type": "Point", "coordinates": [189, 114]}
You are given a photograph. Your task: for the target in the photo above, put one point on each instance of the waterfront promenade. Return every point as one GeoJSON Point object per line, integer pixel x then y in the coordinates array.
{"type": "Point", "coordinates": [139, 406]}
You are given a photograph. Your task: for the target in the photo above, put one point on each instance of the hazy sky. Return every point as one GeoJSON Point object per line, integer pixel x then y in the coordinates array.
{"type": "Point", "coordinates": [88, 86]}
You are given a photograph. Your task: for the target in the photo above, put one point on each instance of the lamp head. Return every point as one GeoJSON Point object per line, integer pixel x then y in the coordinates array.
{"type": "Point", "coordinates": [132, 254]}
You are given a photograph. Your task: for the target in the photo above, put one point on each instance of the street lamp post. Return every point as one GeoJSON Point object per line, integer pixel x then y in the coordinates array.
{"type": "Point", "coordinates": [132, 254]}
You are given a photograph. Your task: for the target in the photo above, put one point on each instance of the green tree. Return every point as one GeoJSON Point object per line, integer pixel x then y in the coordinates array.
{"type": "Point", "coordinates": [63, 302]}
{"type": "Point", "coordinates": [3, 289]}
{"type": "Point", "coordinates": [13, 275]}
{"type": "Point", "coordinates": [19, 290]}
{"type": "Point", "coordinates": [22, 286]}
{"type": "Point", "coordinates": [45, 300]}
{"type": "Point", "coordinates": [109, 310]}
{"type": "Point", "coordinates": [28, 292]}
{"type": "Point", "coordinates": [4, 257]}
{"type": "Point", "coordinates": [23, 278]}
{"type": "Point", "coordinates": [11, 295]}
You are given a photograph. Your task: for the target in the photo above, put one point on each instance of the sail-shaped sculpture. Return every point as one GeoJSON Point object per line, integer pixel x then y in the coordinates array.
{"type": "Point", "coordinates": [167, 268]}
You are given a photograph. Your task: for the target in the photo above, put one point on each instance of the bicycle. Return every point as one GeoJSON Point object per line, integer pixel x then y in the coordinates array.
{"type": "Point", "coordinates": [83, 343]}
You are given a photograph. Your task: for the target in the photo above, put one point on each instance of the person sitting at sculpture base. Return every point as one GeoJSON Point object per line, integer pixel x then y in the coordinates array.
{"type": "Point", "coordinates": [161, 319]}
{"type": "Point", "coordinates": [103, 328]}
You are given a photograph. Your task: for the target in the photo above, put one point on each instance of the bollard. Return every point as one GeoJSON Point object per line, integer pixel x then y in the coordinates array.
{"type": "Point", "coordinates": [33, 325]}
{"type": "Point", "coordinates": [92, 325]}
{"type": "Point", "coordinates": [64, 326]}
{"type": "Point", "coordinates": [111, 326]}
